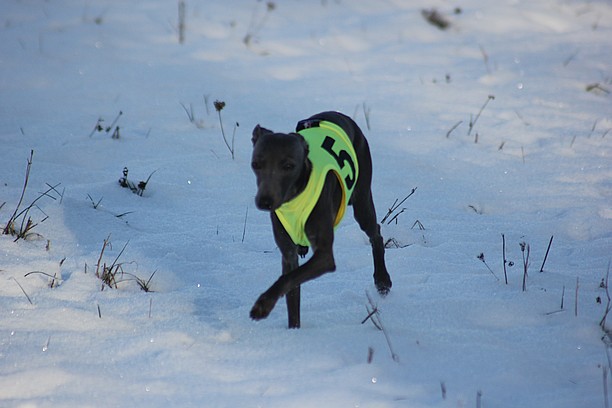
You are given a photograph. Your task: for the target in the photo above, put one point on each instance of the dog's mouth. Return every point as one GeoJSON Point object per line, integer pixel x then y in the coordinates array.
{"type": "Point", "coordinates": [265, 203]}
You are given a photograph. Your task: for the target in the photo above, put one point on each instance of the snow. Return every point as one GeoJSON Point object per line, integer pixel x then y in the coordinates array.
{"type": "Point", "coordinates": [541, 167]}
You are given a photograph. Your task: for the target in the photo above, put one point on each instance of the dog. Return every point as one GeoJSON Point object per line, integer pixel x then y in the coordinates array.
{"type": "Point", "coordinates": [306, 180]}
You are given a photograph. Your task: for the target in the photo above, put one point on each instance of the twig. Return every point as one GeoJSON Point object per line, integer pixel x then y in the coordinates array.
{"type": "Point", "coordinates": [206, 98]}
{"type": "Point", "coordinates": [189, 112]}
{"type": "Point", "coordinates": [563, 298]}
{"type": "Point", "coordinates": [12, 218]}
{"type": "Point", "coordinates": [366, 113]}
{"type": "Point", "coordinates": [369, 316]}
{"type": "Point", "coordinates": [26, 222]}
{"type": "Point", "coordinates": [546, 255]}
{"type": "Point", "coordinates": [256, 26]}
{"type": "Point", "coordinates": [602, 322]}
{"type": "Point", "coordinates": [394, 356]}
{"type": "Point", "coordinates": [576, 299]}
{"type": "Point", "coordinates": [106, 242]}
{"type": "Point", "coordinates": [593, 129]}
{"type": "Point", "coordinates": [396, 205]}
{"type": "Point", "coordinates": [485, 58]}
{"type": "Point", "coordinates": [53, 277]}
{"type": "Point", "coordinates": [482, 258]}
{"type": "Point", "coordinates": [570, 59]}
{"type": "Point", "coordinates": [181, 21]}
{"type": "Point", "coordinates": [504, 257]}
{"type": "Point", "coordinates": [23, 290]}
{"type": "Point", "coordinates": [145, 285]}
{"type": "Point", "coordinates": [525, 263]}
{"type": "Point", "coordinates": [394, 243]}
{"type": "Point", "coordinates": [436, 19]}
{"type": "Point", "coordinates": [473, 121]}
{"type": "Point", "coordinates": [95, 205]}
{"type": "Point", "coordinates": [370, 355]}
{"type": "Point", "coordinates": [597, 87]}
{"type": "Point", "coordinates": [108, 128]}
{"type": "Point", "coordinates": [395, 216]}
{"type": "Point", "coordinates": [245, 223]}
{"type": "Point", "coordinates": [455, 126]}
{"type": "Point", "coordinates": [219, 105]}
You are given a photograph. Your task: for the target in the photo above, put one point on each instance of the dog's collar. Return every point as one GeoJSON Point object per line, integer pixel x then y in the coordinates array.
{"type": "Point", "coordinates": [307, 124]}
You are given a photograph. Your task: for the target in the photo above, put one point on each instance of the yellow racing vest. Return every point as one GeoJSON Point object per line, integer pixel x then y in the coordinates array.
{"type": "Point", "coordinates": [329, 149]}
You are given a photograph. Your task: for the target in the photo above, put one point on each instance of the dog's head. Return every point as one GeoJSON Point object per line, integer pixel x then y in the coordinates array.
{"type": "Point", "coordinates": [281, 166]}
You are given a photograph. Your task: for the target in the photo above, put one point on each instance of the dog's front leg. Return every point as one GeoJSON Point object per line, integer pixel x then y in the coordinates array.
{"type": "Point", "coordinates": [321, 262]}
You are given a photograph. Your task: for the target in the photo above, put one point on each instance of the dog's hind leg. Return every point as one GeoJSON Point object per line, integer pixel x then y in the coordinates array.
{"type": "Point", "coordinates": [365, 214]}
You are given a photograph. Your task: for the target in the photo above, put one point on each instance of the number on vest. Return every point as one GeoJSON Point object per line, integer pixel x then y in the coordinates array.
{"type": "Point", "coordinates": [341, 158]}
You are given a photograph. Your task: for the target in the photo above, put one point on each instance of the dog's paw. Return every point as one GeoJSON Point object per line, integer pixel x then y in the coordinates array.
{"type": "Point", "coordinates": [262, 308]}
{"type": "Point", "coordinates": [383, 286]}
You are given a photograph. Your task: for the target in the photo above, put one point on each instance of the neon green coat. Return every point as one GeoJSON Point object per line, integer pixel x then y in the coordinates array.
{"type": "Point", "coordinates": [330, 149]}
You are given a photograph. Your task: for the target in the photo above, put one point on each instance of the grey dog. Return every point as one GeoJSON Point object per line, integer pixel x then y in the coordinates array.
{"type": "Point", "coordinates": [331, 148]}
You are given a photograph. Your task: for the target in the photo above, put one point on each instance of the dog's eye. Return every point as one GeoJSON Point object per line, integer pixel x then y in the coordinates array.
{"type": "Point", "coordinates": [288, 166]}
{"type": "Point", "coordinates": [255, 165]}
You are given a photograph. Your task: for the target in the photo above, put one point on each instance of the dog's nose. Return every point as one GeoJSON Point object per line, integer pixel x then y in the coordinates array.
{"type": "Point", "coordinates": [264, 203]}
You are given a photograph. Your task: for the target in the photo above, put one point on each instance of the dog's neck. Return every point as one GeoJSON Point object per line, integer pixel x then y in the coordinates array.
{"type": "Point", "coordinates": [302, 181]}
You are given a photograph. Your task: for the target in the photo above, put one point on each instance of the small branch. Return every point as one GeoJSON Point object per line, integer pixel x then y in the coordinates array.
{"type": "Point", "coordinates": [485, 58]}
{"type": "Point", "coordinates": [369, 316]}
{"type": "Point", "coordinates": [53, 277]}
{"type": "Point", "coordinates": [436, 19]}
{"type": "Point", "coordinates": [245, 223]}
{"type": "Point", "coordinates": [473, 122]}
{"type": "Point", "coordinates": [504, 257]}
{"type": "Point", "coordinates": [482, 258]}
{"type": "Point", "coordinates": [396, 205]}
{"type": "Point", "coordinates": [12, 218]}
{"type": "Point", "coordinates": [23, 290]}
{"type": "Point", "coordinates": [455, 126]}
{"type": "Point", "coordinates": [602, 322]}
{"type": "Point", "coordinates": [219, 105]}
{"type": "Point", "coordinates": [189, 112]}
{"type": "Point", "coordinates": [374, 316]}
{"type": "Point", "coordinates": [366, 113]}
{"type": "Point", "coordinates": [525, 263]}
{"type": "Point", "coordinates": [370, 355]}
{"type": "Point", "coordinates": [576, 299]}
{"type": "Point", "coordinates": [108, 128]}
{"type": "Point", "coordinates": [93, 203]}
{"type": "Point", "coordinates": [181, 21]}
{"type": "Point", "coordinates": [563, 298]}
{"type": "Point", "coordinates": [546, 255]}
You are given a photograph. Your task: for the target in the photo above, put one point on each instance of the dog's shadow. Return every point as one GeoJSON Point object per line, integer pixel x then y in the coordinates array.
{"type": "Point", "coordinates": [217, 310]}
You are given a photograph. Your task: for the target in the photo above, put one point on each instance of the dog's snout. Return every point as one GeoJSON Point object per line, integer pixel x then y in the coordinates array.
{"type": "Point", "coordinates": [264, 202]}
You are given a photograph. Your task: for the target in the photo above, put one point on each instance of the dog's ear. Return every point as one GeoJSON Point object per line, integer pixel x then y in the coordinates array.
{"type": "Point", "coordinates": [303, 143]}
{"type": "Point", "coordinates": [258, 131]}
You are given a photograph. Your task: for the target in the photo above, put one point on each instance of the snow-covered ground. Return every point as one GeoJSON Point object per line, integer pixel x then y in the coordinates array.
{"type": "Point", "coordinates": [535, 163]}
